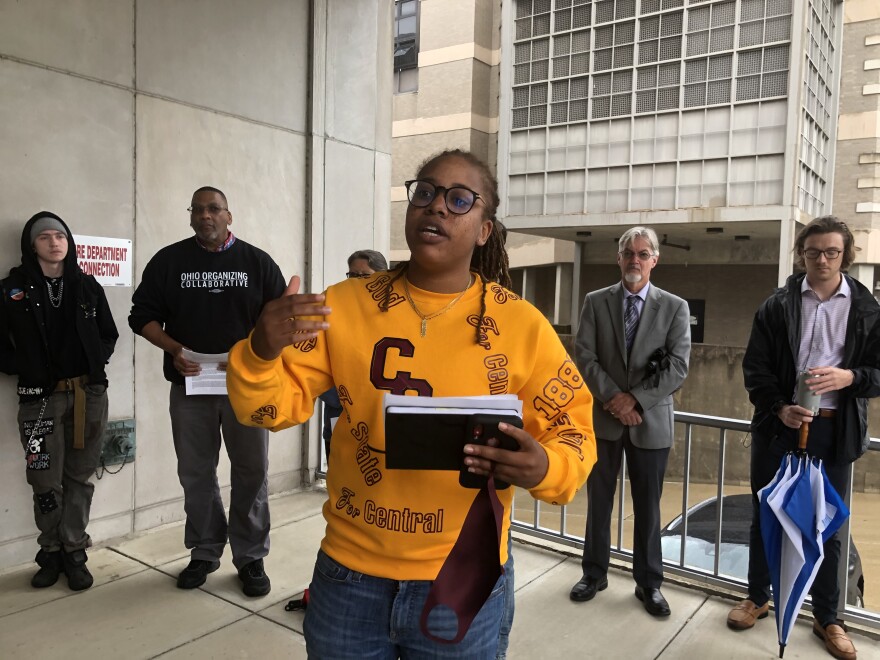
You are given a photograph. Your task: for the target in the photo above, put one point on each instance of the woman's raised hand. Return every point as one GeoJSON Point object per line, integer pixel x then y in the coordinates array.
{"type": "Point", "coordinates": [291, 318]}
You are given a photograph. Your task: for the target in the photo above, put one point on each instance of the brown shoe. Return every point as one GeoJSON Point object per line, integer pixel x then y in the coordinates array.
{"type": "Point", "coordinates": [836, 640]}
{"type": "Point", "coordinates": [744, 615]}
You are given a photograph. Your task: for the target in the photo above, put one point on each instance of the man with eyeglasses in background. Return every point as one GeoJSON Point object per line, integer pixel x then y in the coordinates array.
{"type": "Point", "coordinates": [205, 293]}
{"type": "Point", "coordinates": [624, 329]}
{"type": "Point", "coordinates": [361, 264]}
{"type": "Point", "coordinates": [364, 263]}
{"type": "Point", "coordinates": [827, 323]}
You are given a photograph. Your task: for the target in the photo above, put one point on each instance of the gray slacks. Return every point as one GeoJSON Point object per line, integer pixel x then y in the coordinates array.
{"type": "Point", "coordinates": [59, 474]}
{"type": "Point", "coordinates": [646, 468]}
{"type": "Point", "coordinates": [196, 425]}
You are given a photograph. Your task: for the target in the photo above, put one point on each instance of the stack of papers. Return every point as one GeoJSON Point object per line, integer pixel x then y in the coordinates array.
{"type": "Point", "coordinates": [212, 379]}
{"type": "Point", "coordinates": [501, 404]}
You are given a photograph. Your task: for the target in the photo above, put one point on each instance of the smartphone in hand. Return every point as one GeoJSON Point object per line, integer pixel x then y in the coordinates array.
{"type": "Point", "coordinates": [480, 428]}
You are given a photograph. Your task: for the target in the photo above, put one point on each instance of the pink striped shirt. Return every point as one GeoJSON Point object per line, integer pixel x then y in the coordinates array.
{"type": "Point", "coordinates": [823, 331]}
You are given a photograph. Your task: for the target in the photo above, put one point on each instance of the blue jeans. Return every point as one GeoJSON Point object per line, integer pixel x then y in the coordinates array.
{"type": "Point", "coordinates": [507, 619]}
{"type": "Point", "coordinates": [353, 615]}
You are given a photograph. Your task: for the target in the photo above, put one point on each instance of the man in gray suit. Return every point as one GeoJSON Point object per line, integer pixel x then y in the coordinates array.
{"type": "Point", "coordinates": [633, 346]}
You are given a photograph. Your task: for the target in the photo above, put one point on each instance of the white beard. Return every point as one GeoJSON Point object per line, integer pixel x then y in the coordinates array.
{"type": "Point", "coordinates": [633, 278]}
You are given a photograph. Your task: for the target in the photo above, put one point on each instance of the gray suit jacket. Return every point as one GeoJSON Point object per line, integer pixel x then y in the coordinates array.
{"type": "Point", "coordinates": [607, 370]}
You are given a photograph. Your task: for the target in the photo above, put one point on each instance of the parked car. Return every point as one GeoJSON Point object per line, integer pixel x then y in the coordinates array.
{"type": "Point", "coordinates": [736, 518]}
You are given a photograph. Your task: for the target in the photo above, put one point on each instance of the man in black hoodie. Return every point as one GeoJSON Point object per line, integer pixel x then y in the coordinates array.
{"type": "Point", "coordinates": [56, 335]}
{"type": "Point", "coordinates": [825, 323]}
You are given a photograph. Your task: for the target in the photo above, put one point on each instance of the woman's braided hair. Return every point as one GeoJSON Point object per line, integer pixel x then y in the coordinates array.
{"type": "Point", "coordinates": [489, 261]}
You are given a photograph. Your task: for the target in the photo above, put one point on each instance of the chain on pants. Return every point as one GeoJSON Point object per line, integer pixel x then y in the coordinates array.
{"type": "Point", "coordinates": [59, 474]}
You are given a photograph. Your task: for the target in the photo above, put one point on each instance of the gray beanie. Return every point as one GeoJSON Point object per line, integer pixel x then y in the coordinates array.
{"type": "Point", "coordinates": [42, 224]}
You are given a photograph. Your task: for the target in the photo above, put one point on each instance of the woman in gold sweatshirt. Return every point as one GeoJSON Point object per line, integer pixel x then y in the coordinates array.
{"type": "Point", "coordinates": [442, 324]}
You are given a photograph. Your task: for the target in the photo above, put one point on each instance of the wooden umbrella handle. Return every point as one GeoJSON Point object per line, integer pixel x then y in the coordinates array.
{"type": "Point", "coordinates": [802, 438]}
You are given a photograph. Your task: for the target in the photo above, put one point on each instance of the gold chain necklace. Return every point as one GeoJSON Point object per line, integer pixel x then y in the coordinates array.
{"type": "Point", "coordinates": [427, 317]}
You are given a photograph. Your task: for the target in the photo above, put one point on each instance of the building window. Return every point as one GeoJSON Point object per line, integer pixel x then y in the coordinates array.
{"type": "Point", "coordinates": [406, 46]}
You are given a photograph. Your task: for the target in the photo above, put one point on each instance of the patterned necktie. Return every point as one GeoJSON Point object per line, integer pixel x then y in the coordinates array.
{"type": "Point", "coordinates": [630, 321]}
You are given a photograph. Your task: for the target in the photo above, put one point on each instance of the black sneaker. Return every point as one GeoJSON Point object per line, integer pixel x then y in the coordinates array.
{"type": "Point", "coordinates": [51, 566]}
{"type": "Point", "coordinates": [195, 574]}
{"type": "Point", "coordinates": [254, 581]}
{"type": "Point", "coordinates": [78, 576]}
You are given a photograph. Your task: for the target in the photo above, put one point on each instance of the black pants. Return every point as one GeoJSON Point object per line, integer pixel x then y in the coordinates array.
{"type": "Point", "coordinates": [646, 468]}
{"type": "Point", "coordinates": [767, 455]}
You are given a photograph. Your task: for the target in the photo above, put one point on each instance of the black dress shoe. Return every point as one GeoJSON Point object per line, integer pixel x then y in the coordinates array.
{"type": "Point", "coordinates": [587, 588]}
{"type": "Point", "coordinates": [654, 601]}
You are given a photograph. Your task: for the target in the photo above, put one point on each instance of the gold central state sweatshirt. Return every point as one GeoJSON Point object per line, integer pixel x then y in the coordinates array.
{"type": "Point", "coordinates": [401, 524]}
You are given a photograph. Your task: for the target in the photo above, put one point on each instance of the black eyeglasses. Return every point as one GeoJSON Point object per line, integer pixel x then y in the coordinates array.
{"type": "Point", "coordinates": [830, 253]}
{"type": "Point", "coordinates": [459, 200]}
{"type": "Point", "coordinates": [213, 209]}
{"type": "Point", "coordinates": [351, 275]}
{"type": "Point", "coordinates": [644, 255]}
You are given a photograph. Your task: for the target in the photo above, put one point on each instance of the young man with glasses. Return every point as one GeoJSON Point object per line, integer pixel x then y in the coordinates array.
{"type": "Point", "coordinates": [621, 329]}
{"type": "Point", "coordinates": [206, 293]}
{"type": "Point", "coordinates": [827, 323]}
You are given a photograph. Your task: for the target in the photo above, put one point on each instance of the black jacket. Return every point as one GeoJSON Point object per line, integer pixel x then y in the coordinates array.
{"type": "Point", "coordinates": [23, 337]}
{"type": "Point", "coordinates": [770, 370]}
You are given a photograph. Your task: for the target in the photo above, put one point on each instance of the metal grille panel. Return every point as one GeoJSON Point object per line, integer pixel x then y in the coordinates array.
{"type": "Point", "coordinates": [601, 107]}
{"type": "Point", "coordinates": [695, 70]}
{"type": "Point", "coordinates": [748, 88]}
{"type": "Point", "coordinates": [649, 28]}
{"type": "Point", "coordinates": [720, 67]}
{"type": "Point", "coordinates": [670, 49]}
{"type": "Point", "coordinates": [646, 101]}
{"type": "Point", "coordinates": [620, 105]}
{"type": "Point", "coordinates": [580, 88]}
{"type": "Point", "coordinates": [647, 78]}
{"type": "Point", "coordinates": [718, 91]}
{"type": "Point", "coordinates": [669, 74]}
{"type": "Point", "coordinates": [698, 43]}
{"type": "Point", "coordinates": [580, 17]}
{"type": "Point", "coordinates": [622, 81]}
{"type": "Point", "coordinates": [694, 95]}
{"type": "Point", "coordinates": [561, 67]}
{"type": "Point", "coordinates": [648, 52]}
{"type": "Point", "coordinates": [580, 63]}
{"type": "Point", "coordinates": [667, 99]}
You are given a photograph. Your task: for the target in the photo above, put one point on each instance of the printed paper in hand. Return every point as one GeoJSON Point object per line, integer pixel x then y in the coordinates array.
{"type": "Point", "coordinates": [212, 379]}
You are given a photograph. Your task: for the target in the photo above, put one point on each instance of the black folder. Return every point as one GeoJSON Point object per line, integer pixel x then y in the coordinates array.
{"type": "Point", "coordinates": [430, 440]}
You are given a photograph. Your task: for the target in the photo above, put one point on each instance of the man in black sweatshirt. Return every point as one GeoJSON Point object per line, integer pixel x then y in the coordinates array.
{"type": "Point", "coordinates": [205, 293]}
{"type": "Point", "coordinates": [56, 335]}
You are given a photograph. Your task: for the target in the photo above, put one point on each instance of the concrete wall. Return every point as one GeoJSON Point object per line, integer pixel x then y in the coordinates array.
{"type": "Point", "coordinates": [113, 112]}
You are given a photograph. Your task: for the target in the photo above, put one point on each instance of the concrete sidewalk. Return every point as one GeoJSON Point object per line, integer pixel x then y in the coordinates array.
{"type": "Point", "coordinates": [134, 609]}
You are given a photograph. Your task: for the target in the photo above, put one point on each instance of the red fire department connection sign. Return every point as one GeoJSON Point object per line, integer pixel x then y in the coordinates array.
{"type": "Point", "coordinates": [108, 259]}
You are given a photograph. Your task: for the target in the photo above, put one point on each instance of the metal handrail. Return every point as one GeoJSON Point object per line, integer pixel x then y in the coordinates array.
{"type": "Point", "coordinates": [693, 575]}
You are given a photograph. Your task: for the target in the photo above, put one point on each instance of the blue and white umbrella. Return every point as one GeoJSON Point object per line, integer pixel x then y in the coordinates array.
{"type": "Point", "coordinates": [800, 510]}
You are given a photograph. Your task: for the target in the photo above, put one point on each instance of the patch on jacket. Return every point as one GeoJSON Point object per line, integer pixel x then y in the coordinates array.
{"type": "Point", "coordinates": [16, 294]}
{"type": "Point", "coordinates": [30, 391]}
